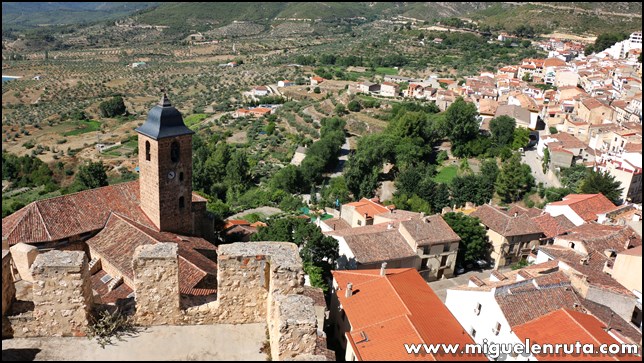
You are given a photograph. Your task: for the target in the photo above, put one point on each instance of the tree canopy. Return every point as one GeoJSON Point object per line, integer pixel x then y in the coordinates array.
{"type": "Point", "coordinates": [474, 243]}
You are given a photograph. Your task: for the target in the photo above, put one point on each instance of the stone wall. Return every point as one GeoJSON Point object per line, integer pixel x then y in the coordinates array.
{"type": "Point", "coordinates": [156, 282]}
{"type": "Point", "coordinates": [62, 295]}
{"type": "Point", "coordinates": [292, 327]}
{"type": "Point", "coordinates": [23, 256]}
{"type": "Point", "coordinates": [8, 288]}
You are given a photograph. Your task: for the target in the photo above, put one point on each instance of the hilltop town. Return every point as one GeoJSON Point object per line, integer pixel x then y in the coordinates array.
{"type": "Point", "coordinates": [447, 181]}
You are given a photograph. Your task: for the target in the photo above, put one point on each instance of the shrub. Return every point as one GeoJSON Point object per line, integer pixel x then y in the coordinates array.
{"type": "Point", "coordinates": [553, 130]}
{"type": "Point", "coordinates": [110, 325]}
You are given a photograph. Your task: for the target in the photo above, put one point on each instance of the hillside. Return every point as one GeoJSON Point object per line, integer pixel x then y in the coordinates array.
{"type": "Point", "coordinates": [29, 14]}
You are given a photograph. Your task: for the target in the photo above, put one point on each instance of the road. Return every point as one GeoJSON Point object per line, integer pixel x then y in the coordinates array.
{"type": "Point", "coordinates": [342, 159]}
{"type": "Point", "coordinates": [534, 162]}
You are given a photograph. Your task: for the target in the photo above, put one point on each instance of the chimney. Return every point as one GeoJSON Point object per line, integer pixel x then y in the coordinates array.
{"type": "Point", "coordinates": [516, 214]}
{"type": "Point", "coordinates": [390, 226]}
{"type": "Point", "coordinates": [349, 292]}
{"type": "Point", "coordinates": [426, 220]}
{"type": "Point", "coordinates": [422, 215]}
{"type": "Point", "coordinates": [382, 268]}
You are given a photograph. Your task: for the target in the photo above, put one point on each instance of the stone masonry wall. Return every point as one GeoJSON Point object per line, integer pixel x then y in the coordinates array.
{"type": "Point", "coordinates": [293, 327]}
{"type": "Point", "coordinates": [156, 282]}
{"type": "Point", "coordinates": [62, 294]}
{"type": "Point", "coordinates": [8, 288]}
{"type": "Point", "coordinates": [23, 256]}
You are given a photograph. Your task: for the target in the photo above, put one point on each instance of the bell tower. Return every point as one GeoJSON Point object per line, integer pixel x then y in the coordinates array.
{"type": "Point", "coordinates": [165, 164]}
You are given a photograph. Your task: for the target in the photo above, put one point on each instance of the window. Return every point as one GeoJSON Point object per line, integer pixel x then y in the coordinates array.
{"type": "Point", "coordinates": [359, 222]}
{"type": "Point", "coordinates": [497, 328]}
{"type": "Point", "coordinates": [446, 248]}
{"type": "Point", "coordinates": [181, 176]}
{"type": "Point", "coordinates": [147, 151]}
{"type": "Point", "coordinates": [182, 202]}
{"type": "Point", "coordinates": [426, 250]}
{"type": "Point", "coordinates": [571, 245]}
{"type": "Point", "coordinates": [477, 309]}
{"type": "Point", "coordinates": [174, 151]}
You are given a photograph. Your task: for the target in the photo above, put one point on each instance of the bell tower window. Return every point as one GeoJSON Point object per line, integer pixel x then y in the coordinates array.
{"type": "Point", "coordinates": [174, 152]}
{"type": "Point", "coordinates": [147, 151]}
{"type": "Point", "coordinates": [181, 176]}
{"type": "Point", "coordinates": [182, 202]}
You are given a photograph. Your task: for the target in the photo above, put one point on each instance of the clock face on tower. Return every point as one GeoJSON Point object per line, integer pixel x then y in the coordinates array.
{"type": "Point", "coordinates": [171, 175]}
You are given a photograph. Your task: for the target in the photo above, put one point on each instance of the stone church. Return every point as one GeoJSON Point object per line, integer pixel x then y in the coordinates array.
{"type": "Point", "coordinates": [109, 223]}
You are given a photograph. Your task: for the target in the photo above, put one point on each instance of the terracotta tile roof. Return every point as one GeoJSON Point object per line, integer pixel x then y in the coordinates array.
{"type": "Point", "coordinates": [553, 226]}
{"type": "Point", "coordinates": [336, 224]}
{"type": "Point", "coordinates": [617, 323]}
{"type": "Point", "coordinates": [568, 141]}
{"type": "Point", "coordinates": [117, 242]}
{"type": "Point", "coordinates": [523, 301]}
{"type": "Point", "coordinates": [62, 217]}
{"type": "Point", "coordinates": [398, 214]}
{"type": "Point", "coordinates": [505, 225]}
{"type": "Point", "coordinates": [395, 309]}
{"type": "Point", "coordinates": [553, 62]}
{"type": "Point", "coordinates": [530, 212]}
{"type": "Point", "coordinates": [540, 271]}
{"type": "Point", "coordinates": [109, 297]}
{"type": "Point", "coordinates": [430, 230]}
{"type": "Point", "coordinates": [376, 243]}
{"type": "Point", "coordinates": [635, 251]}
{"type": "Point", "coordinates": [65, 216]}
{"type": "Point", "coordinates": [566, 326]}
{"type": "Point", "coordinates": [599, 237]}
{"type": "Point", "coordinates": [592, 270]}
{"type": "Point", "coordinates": [587, 206]}
{"type": "Point", "coordinates": [591, 103]}
{"type": "Point", "coordinates": [369, 207]}
{"type": "Point", "coordinates": [235, 222]}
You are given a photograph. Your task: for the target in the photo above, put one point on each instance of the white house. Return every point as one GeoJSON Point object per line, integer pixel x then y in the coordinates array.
{"type": "Point", "coordinates": [285, 83]}
{"type": "Point", "coordinates": [580, 208]}
{"type": "Point", "coordinates": [260, 91]}
{"type": "Point", "coordinates": [490, 309]}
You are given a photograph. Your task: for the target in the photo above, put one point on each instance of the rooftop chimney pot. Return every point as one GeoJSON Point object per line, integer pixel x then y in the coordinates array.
{"type": "Point", "coordinates": [383, 267]}
{"type": "Point", "coordinates": [349, 291]}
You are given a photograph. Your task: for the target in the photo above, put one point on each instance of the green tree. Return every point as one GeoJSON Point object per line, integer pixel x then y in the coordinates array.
{"type": "Point", "coordinates": [340, 109]}
{"type": "Point", "coordinates": [316, 90]}
{"type": "Point", "coordinates": [238, 171]}
{"type": "Point", "coordinates": [602, 182]}
{"type": "Point", "coordinates": [514, 180]}
{"type": "Point", "coordinates": [474, 243]}
{"type": "Point", "coordinates": [287, 178]}
{"type": "Point", "coordinates": [461, 121]}
{"type": "Point", "coordinates": [112, 107]}
{"type": "Point", "coordinates": [546, 160]}
{"type": "Point", "coordinates": [521, 138]}
{"type": "Point", "coordinates": [573, 176]}
{"type": "Point", "coordinates": [354, 106]}
{"type": "Point", "coordinates": [92, 175]}
{"type": "Point", "coordinates": [502, 130]}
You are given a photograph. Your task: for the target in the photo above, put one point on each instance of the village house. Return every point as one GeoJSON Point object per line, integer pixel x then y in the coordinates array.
{"type": "Point", "coordinates": [580, 208]}
{"type": "Point", "coordinates": [375, 312]}
{"type": "Point", "coordinates": [367, 87]}
{"type": "Point", "coordinates": [513, 236]}
{"type": "Point", "coordinates": [316, 80]}
{"type": "Point", "coordinates": [260, 91]}
{"type": "Point", "coordinates": [504, 307]}
{"type": "Point", "coordinates": [285, 83]}
{"type": "Point", "coordinates": [587, 254]}
{"type": "Point", "coordinates": [388, 89]}
{"type": "Point", "coordinates": [594, 111]}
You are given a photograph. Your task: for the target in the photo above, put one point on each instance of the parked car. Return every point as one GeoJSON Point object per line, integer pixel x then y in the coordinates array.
{"type": "Point", "coordinates": [459, 270]}
{"type": "Point", "coordinates": [481, 263]}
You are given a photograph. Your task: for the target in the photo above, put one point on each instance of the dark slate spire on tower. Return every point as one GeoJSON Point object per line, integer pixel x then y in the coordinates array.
{"type": "Point", "coordinates": [164, 121]}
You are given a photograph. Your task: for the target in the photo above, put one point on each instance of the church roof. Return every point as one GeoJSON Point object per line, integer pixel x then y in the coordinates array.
{"type": "Point", "coordinates": [53, 219]}
{"type": "Point", "coordinates": [164, 121]}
